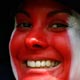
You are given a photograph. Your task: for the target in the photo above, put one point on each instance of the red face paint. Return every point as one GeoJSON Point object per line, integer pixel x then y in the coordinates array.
{"type": "Point", "coordinates": [40, 46]}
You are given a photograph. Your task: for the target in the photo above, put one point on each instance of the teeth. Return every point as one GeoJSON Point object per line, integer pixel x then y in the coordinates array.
{"type": "Point", "coordinates": [48, 63]}
{"type": "Point", "coordinates": [53, 63]}
{"type": "Point", "coordinates": [42, 64]}
{"type": "Point", "coordinates": [31, 63]}
{"type": "Point", "coordinates": [37, 64]}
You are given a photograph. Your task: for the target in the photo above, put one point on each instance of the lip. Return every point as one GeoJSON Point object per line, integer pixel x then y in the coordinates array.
{"type": "Point", "coordinates": [42, 70]}
{"type": "Point", "coordinates": [56, 62]}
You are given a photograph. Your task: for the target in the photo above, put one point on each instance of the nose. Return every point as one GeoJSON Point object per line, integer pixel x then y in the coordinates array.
{"type": "Point", "coordinates": [35, 43]}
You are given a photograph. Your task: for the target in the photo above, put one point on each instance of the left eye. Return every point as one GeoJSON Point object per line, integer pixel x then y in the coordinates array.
{"type": "Point", "coordinates": [57, 27]}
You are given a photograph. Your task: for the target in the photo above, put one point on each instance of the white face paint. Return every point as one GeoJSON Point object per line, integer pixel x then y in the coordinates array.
{"type": "Point", "coordinates": [74, 34]}
{"type": "Point", "coordinates": [12, 62]}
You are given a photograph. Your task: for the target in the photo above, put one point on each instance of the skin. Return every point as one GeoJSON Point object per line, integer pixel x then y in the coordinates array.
{"type": "Point", "coordinates": [41, 40]}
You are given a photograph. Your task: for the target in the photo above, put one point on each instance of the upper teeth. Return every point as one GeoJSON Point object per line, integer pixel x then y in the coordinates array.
{"type": "Point", "coordinates": [41, 64]}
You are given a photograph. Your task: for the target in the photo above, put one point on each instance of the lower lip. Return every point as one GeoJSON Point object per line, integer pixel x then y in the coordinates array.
{"type": "Point", "coordinates": [43, 71]}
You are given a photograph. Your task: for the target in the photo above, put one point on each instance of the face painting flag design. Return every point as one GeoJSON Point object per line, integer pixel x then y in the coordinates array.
{"type": "Point", "coordinates": [45, 42]}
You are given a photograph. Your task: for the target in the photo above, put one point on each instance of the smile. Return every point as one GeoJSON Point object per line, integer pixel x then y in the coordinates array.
{"type": "Point", "coordinates": [41, 63]}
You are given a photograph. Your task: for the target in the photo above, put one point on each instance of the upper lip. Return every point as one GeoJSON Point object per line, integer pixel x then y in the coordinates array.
{"type": "Point", "coordinates": [35, 58]}
{"type": "Point", "coordinates": [42, 58]}
{"type": "Point", "coordinates": [41, 55]}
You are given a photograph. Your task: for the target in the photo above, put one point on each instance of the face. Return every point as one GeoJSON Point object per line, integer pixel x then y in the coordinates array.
{"type": "Point", "coordinates": [40, 46]}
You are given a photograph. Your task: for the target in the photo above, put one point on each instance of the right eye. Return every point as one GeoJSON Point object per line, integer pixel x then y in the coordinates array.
{"type": "Point", "coordinates": [58, 27]}
{"type": "Point", "coordinates": [24, 25]}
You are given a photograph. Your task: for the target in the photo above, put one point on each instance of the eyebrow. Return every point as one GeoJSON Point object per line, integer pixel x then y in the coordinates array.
{"type": "Point", "coordinates": [23, 12]}
{"type": "Point", "coordinates": [52, 13]}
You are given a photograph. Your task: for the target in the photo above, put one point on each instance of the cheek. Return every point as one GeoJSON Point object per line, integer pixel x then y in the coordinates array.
{"type": "Point", "coordinates": [61, 42]}
{"type": "Point", "coordinates": [15, 42]}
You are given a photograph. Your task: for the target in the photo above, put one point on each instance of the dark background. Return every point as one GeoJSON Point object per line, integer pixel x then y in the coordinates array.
{"type": "Point", "coordinates": [7, 7]}
{"type": "Point", "coordinates": [6, 26]}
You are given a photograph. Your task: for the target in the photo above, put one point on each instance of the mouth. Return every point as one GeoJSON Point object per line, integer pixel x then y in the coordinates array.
{"type": "Point", "coordinates": [32, 67]}
{"type": "Point", "coordinates": [41, 63]}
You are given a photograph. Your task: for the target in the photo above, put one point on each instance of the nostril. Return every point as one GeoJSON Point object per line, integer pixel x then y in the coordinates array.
{"type": "Point", "coordinates": [35, 43]}
{"type": "Point", "coordinates": [37, 46]}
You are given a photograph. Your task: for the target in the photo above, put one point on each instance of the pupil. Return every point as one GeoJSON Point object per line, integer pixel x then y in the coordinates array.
{"type": "Point", "coordinates": [26, 25]}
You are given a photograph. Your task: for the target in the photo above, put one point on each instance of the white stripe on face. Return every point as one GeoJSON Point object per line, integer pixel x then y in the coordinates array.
{"type": "Point", "coordinates": [11, 59]}
{"type": "Point", "coordinates": [74, 34]}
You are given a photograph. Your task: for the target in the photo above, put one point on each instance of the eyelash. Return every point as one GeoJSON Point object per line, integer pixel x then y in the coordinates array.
{"type": "Point", "coordinates": [55, 27]}
{"type": "Point", "coordinates": [25, 25]}
{"type": "Point", "coordinates": [58, 27]}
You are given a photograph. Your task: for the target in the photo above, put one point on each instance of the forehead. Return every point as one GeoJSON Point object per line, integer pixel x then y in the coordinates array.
{"type": "Point", "coordinates": [42, 4]}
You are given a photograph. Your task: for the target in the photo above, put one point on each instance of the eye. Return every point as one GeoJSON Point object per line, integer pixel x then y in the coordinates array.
{"type": "Point", "coordinates": [24, 25]}
{"type": "Point", "coordinates": [58, 27]}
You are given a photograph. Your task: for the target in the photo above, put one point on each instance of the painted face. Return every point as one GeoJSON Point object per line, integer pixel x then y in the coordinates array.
{"type": "Point", "coordinates": [40, 46]}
